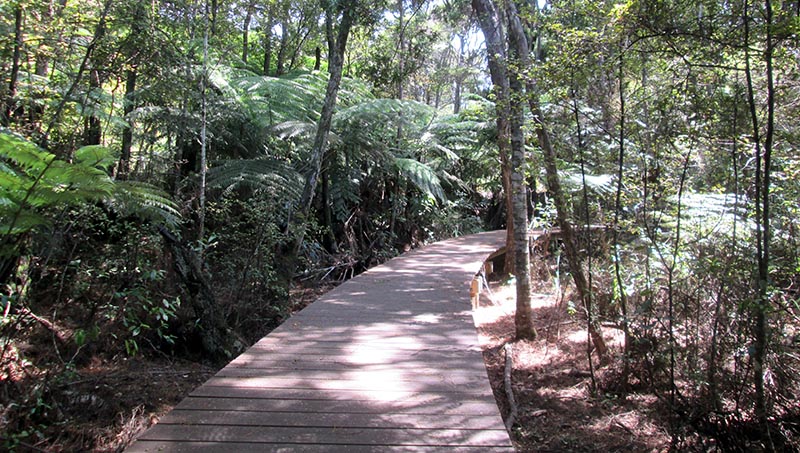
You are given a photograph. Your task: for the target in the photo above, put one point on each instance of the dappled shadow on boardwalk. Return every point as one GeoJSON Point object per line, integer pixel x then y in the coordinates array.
{"type": "Point", "coordinates": [388, 360]}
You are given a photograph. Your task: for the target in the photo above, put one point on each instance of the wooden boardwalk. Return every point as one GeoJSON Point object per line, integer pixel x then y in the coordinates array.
{"type": "Point", "coordinates": [387, 361]}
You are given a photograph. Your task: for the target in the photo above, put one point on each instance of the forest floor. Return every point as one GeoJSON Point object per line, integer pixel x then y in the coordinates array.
{"type": "Point", "coordinates": [108, 401]}
{"type": "Point", "coordinates": [103, 402]}
{"type": "Point", "coordinates": [551, 381]}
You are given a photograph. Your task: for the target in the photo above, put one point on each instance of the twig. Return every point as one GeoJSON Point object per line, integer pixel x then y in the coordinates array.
{"type": "Point", "coordinates": [46, 323]}
{"type": "Point", "coordinates": [512, 402]}
{"type": "Point", "coordinates": [23, 444]}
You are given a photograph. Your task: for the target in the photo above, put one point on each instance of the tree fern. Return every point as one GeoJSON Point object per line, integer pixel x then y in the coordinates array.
{"type": "Point", "coordinates": [268, 175]}
{"type": "Point", "coordinates": [33, 180]}
{"type": "Point", "coordinates": [145, 201]}
{"type": "Point", "coordinates": [422, 176]}
{"type": "Point", "coordinates": [344, 192]}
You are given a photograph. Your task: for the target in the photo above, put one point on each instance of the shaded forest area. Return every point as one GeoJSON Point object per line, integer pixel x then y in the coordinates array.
{"type": "Point", "coordinates": [173, 173]}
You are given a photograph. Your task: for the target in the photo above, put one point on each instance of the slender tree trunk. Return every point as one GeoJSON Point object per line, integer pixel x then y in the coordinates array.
{"type": "Point", "coordinates": [127, 132]}
{"type": "Point", "coordinates": [329, 240]}
{"type": "Point", "coordinates": [10, 103]}
{"type": "Point", "coordinates": [401, 44]}
{"type": "Point", "coordinates": [246, 32]}
{"type": "Point", "coordinates": [282, 49]}
{"type": "Point", "coordinates": [268, 42]}
{"type": "Point", "coordinates": [337, 44]}
{"type": "Point", "coordinates": [587, 218]}
{"type": "Point", "coordinates": [489, 20]}
{"type": "Point", "coordinates": [763, 154]}
{"type": "Point", "coordinates": [523, 318]}
{"type": "Point", "coordinates": [317, 58]}
{"type": "Point", "coordinates": [623, 298]}
{"type": "Point", "coordinates": [201, 215]}
{"type": "Point", "coordinates": [93, 132]}
{"type": "Point", "coordinates": [459, 79]}
{"type": "Point", "coordinates": [554, 184]}
{"type": "Point", "coordinates": [42, 60]}
{"type": "Point", "coordinates": [214, 11]}
{"type": "Point", "coordinates": [300, 42]}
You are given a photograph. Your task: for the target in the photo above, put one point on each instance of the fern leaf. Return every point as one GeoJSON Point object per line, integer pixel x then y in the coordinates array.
{"type": "Point", "coordinates": [145, 201]}
{"type": "Point", "coordinates": [265, 174]}
{"type": "Point", "coordinates": [421, 176]}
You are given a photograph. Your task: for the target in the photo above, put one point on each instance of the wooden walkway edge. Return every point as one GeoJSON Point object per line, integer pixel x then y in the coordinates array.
{"type": "Point", "coordinates": [386, 361]}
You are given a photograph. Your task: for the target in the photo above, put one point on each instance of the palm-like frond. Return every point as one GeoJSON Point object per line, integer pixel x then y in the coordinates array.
{"type": "Point", "coordinates": [145, 201]}
{"type": "Point", "coordinates": [602, 184]}
{"type": "Point", "coordinates": [267, 175]}
{"type": "Point", "coordinates": [422, 176]}
{"type": "Point", "coordinates": [32, 180]}
{"type": "Point", "coordinates": [302, 130]}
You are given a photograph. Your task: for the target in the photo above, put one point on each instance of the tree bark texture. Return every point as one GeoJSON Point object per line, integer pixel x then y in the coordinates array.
{"type": "Point", "coordinates": [554, 184]}
{"type": "Point", "coordinates": [337, 44]}
{"type": "Point", "coordinates": [279, 69]}
{"type": "Point", "coordinates": [489, 20]}
{"type": "Point", "coordinates": [246, 32]}
{"type": "Point", "coordinates": [268, 43]}
{"type": "Point", "coordinates": [10, 103]}
{"type": "Point", "coordinates": [523, 318]}
{"type": "Point", "coordinates": [127, 132]}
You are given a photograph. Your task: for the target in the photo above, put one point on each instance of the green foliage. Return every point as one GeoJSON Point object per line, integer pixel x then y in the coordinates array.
{"type": "Point", "coordinates": [32, 180]}
{"type": "Point", "coordinates": [263, 175]}
{"type": "Point", "coordinates": [422, 176]}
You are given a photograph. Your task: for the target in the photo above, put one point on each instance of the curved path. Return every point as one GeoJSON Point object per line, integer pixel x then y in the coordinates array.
{"type": "Point", "coordinates": [387, 361]}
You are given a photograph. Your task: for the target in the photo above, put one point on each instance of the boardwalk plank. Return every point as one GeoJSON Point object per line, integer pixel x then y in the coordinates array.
{"type": "Point", "coordinates": [387, 361]}
{"type": "Point", "coordinates": [331, 436]}
{"type": "Point", "coordinates": [331, 420]}
{"type": "Point", "coordinates": [146, 446]}
{"type": "Point", "coordinates": [410, 404]}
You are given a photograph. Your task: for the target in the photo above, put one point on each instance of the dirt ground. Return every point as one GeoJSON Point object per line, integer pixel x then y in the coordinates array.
{"type": "Point", "coordinates": [551, 381]}
{"type": "Point", "coordinates": [107, 402]}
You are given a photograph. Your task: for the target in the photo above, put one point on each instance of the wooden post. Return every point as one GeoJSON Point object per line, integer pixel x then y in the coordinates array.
{"type": "Point", "coordinates": [475, 292]}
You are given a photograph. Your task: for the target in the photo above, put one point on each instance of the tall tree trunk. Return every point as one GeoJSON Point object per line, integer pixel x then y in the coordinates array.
{"type": "Point", "coordinates": [329, 240]}
{"type": "Point", "coordinates": [123, 167]}
{"type": "Point", "coordinates": [268, 42]}
{"type": "Point", "coordinates": [201, 189]}
{"type": "Point", "coordinates": [214, 11]}
{"type": "Point", "coordinates": [279, 69]}
{"type": "Point", "coordinates": [763, 156]}
{"type": "Point", "coordinates": [401, 43]}
{"type": "Point", "coordinates": [459, 79]}
{"type": "Point", "coordinates": [10, 103]}
{"type": "Point", "coordinates": [489, 20]}
{"type": "Point", "coordinates": [246, 32]}
{"type": "Point", "coordinates": [337, 44]}
{"type": "Point", "coordinates": [317, 58]}
{"type": "Point", "coordinates": [93, 132]}
{"type": "Point", "coordinates": [523, 318]}
{"type": "Point", "coordinates": [554, 184]}
{"type": "Point", "coordinates": [623, 298]}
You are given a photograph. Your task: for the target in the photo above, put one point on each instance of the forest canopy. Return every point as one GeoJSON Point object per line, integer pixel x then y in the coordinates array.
{"type": "Point", "coordinates": [171, 170]}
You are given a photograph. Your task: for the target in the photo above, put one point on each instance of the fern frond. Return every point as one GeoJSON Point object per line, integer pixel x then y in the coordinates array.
{"type": "Point", "coordinates": [295, 129]}
{"type": "Point", "coordinates": [421, 176]}
{"type": "Point", "coordinates": [145, 201]}
{"type": "Point", "coordinates": [265, 174]}
{"type": "Point", "coordinates": [602, 184]}
{"type": "Point", "coordinates": [344, 192]}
